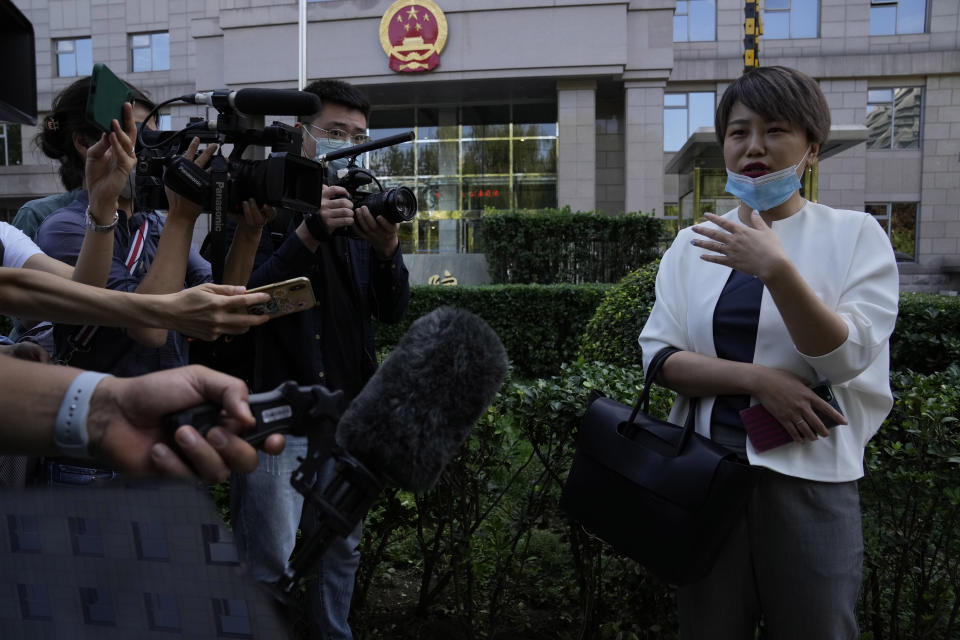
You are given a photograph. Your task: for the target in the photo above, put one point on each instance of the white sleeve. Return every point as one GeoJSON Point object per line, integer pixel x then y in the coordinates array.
{"type": "Point", "coordinates": [17, 247]}
{"type": "Point", "coordinates": [667, 324]}
{"type": "Point", "coordinates": [868, 305]}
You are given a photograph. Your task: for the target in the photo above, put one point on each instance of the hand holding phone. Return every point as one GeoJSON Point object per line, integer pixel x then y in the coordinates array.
{"type": "Point", "coordinates": [766, 432]}
{"type": "Point", "coordinates": [106, 97]}
{"type": "Point", "coordinates": [289, 296]}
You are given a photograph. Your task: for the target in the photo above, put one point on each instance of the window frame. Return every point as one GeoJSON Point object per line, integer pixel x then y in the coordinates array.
{"type": "Point", "coordinates": [686, 109]}
{"type": "Point", "coordinates": [886, 222]}
{"type": "Point", "coordinates": [892, 104]}
{"type": "Point", "coordinates": [896, 21]}
{"type": "Point", "coordinates": [687, 14]}
{"type": "Point", "coordinates": [789, 10]}
{"type": "Point", "coordinates": [77, 72]}
{"type": "Point", "coordinates": [132, 48]}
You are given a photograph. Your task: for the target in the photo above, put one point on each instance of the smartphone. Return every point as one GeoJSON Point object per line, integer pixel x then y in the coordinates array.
{"type": "Point", "coordinates": [766, 432]}
{"type": "Point", "coordinates": [106, 97]}
{"type": "Point", "coordinates": [289, 296]}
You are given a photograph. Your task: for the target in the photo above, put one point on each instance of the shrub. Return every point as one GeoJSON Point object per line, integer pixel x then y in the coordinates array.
{"type": "Point", "coordinates": [927, 336]}
{"type": "Point", "coordinates": [611, 334]}
{"type": "Point", "coordinates": [560, 246]}
{"type": "Point", "coordinates": [489, 547]}
{"type": "Point", "coordinates": [911, 512]}
{"type": "Point", "coordinates": [540, 325]}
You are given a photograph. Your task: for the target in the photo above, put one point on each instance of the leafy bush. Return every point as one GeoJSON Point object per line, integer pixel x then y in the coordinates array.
{"type": "Point", "coordinates": [927, 336]}
{"type": "Point", "coordinates": [611, 334]}
{"type": "Point", "coordinates": [911, 511]}
{"type": "Point", "coordinates": [489, 547]}
{"type": "Point", "coordinates": [540, 325]}
{"type": "Point", "coordinates": [560, 246]}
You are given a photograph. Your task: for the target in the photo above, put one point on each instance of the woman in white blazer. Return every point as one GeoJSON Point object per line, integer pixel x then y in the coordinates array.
{"type": "Point", "coordinates": [762, 303]}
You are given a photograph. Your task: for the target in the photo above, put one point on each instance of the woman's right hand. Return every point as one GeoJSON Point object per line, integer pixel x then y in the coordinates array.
{"type": "Point", "coordinates": [108, 165]}
{"type": "Point", "coordinates": [788, 399]}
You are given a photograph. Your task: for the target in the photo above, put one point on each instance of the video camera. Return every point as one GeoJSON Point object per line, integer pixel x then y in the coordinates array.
{"type": "Point", "coordinates": [284, 179]}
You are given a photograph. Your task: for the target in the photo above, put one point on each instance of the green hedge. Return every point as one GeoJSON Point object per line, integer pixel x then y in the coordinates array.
{"type": "Point", "coordinates": [540, 325]}
{"type": "Point", "coordinates": [559, 246]}
{"type": "Point", "coordinates": [488, 553]}
{"type": "Point", "coordinates": [927, 336]}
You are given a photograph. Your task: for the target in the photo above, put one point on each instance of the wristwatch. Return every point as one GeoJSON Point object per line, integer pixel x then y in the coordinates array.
{"type": "Point", "coordinates": [100, 228]}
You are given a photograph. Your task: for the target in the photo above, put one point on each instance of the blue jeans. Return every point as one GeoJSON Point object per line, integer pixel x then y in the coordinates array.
{"type": "Point", "coordinates": [266, 512]}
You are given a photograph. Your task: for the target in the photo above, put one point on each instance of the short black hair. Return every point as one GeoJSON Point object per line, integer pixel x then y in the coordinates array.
{"type": "Point", "coordinates": [68, 116]}
{"type": "Point", "coordinates": [338, 92]}
{"type": "Point", "coordinates": [778, 93]}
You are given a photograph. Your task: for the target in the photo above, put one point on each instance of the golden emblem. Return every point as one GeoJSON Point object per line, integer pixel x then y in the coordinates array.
{"type": "Point", "coordinates": [412, 34]}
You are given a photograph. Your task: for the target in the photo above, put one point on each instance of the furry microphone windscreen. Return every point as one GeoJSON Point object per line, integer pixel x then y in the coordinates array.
{"type": "Point", "coordinates": [421, 404]}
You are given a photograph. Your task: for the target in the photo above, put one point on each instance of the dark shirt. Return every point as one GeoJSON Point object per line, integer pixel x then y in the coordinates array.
{"type": "Point", "coordinates": [735, 321]}
{"type": "Point", "coordinates": [331, 344]}
{"type": "Point", "coordinates": [61, 236]}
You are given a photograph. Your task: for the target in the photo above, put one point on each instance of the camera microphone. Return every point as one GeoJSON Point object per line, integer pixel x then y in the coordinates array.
{"type": "Point", "coordinates": [418, 408]}
{"type": "Point", "coordinates": [286, 102]}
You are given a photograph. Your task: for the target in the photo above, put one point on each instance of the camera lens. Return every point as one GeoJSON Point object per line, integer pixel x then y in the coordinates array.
{"type": "Point", "coordinates": [396, 205]}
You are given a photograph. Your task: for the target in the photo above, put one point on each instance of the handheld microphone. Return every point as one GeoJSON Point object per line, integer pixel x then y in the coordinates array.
{"type": "Point", "coordinates": [421, 404]}
{"type": "Point", "coordinates": [403, 427]}
{"type": "Point", "coordinates": [258, 101]}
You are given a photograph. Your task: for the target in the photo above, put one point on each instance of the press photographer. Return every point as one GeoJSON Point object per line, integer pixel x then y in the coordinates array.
{"type": "Point", "coordinates": [355, 275]}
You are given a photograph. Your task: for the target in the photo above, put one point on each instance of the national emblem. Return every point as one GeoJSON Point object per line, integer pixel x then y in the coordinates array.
{"type": "Point", "coordinates": [412, 34]}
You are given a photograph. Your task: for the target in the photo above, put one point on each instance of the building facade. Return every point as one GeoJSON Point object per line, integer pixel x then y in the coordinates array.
{"type": "Point", "coordinates": [592, 104]}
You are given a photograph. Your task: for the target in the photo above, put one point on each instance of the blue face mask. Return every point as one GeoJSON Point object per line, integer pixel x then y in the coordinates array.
{"type": "Point", "coordinates": [767, 191]}
{"type": "Point", "coordinates": [325, 146]}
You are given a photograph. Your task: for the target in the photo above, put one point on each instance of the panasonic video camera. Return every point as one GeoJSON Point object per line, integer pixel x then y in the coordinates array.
{"type": "Point", "coordinates": [284, 179]}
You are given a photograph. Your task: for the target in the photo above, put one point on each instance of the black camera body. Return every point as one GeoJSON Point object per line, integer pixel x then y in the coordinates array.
{"type": "Point", "coordinates": [397, 204]}
{"type": "Point", "coordinates": [284, 179]}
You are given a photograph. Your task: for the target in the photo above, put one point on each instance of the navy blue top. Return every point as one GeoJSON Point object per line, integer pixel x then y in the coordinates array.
{"type": "Point", "coordinates": [331, 344]}
{"type": "Point", "coordinates": [61, 235]}
{"type": "Point", "coordinates": [735, 321]}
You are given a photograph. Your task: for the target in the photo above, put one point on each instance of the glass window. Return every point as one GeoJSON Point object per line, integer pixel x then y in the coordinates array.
{"type": "Point", "coordinates": [34, 602]}
{"type": "Point", "coordinates": [465, 160]}
{"type": "Point", "coordinates": [791, 19]}
{"type": "Point", "coordinates": [891, 17]}
{"type": "Point", "coordinates": [150, 539]}
{"type": "Point", "coordinates": [74, 57]}
{"type": "Point", "coordinates": [683, 113]}
{"type": "Point", "coordinates": [233, 621]}
{"type": "Point", "coordinates": [899, 220]}
{"type": "Point", "coordinates": [535, 155]}
{"type": "Point", "coordinates": [218, 548]}
{"type": "Point", "coordinates": [486, 156]}
{"type": "Point", "coordinates": [24, 534]}
{"type": "Point", "coordinates": [11, 147]}
{"type": "Point", "coordinates": [162, 614]}
{"type": "Point", "coordinates": [85, 537]}
{"type": "Point", "coordinates": [893, 118]}
{"type": "Point", "coordinates": [97, 607]}
{"type": "Point", "coordinates": [150, 52]}
{"type": "Point", "coordinates": [397, 160]}
{"type": "Point", "coordinates": [695, 21]}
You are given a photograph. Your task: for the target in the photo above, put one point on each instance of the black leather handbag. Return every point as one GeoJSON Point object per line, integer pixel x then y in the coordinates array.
{"type": "Point", "coordinates": [658, 493]}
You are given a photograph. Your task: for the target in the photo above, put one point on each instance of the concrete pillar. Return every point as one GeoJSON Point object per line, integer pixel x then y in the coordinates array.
{"type": "Point", "coordinates": [643, 146]}
{"type": "Point", "coordinates": [577, 144]}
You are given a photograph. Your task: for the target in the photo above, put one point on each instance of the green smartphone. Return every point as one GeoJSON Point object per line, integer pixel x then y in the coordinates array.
{"type": "Point", "coordinates": [106, 97]}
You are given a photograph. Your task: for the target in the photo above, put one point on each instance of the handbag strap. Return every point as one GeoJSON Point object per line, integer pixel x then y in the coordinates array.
{"type": "Point", "coordinates": [643, 402]}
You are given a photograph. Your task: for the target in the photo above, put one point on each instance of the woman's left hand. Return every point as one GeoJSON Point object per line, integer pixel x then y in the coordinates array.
{"type": "Point", "coordinates": [749, 248]}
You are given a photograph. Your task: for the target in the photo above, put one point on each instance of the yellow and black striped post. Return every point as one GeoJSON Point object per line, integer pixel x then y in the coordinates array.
{"type": "Point", "coordinates": [752, 30]}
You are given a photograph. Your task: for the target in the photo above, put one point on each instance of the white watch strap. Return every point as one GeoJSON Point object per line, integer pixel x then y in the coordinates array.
{"type": "Point", "coordinates": [70, 429]}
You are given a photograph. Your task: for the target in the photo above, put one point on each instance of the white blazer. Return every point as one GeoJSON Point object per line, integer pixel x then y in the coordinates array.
{"type": "Point", "coordinates": [847, 259]}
